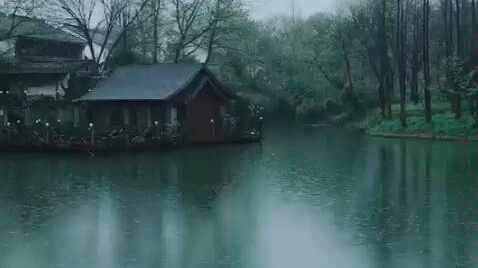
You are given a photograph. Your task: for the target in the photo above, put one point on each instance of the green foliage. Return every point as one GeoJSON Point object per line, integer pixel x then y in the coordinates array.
{"type": "Point", "coordinates": [456, 78]}
{"type": "Point", "coordinates": [417, 109]}
{"type": "Point", "coordinates": [297, 62]}
{"type": "Point", "coordinates": [443, 124]}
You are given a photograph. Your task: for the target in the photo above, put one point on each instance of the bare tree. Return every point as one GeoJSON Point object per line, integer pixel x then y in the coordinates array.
{"type": "Point", "coordinates": [10, 12]}
{"type": "Point", "coordinates": [221, 13]}
{"type": "Point", "coordinates": [191, 21]}
{"type": "Point", "coordinates": [214, 20]}
{"type": "Point", "coordinates": [116, 18]}
{"type": "Point", "coordinates": [344, 36]}
{"type": "Point", "coordinates": [155, 16]}
{"type": "Point", "coordinates": [16, 17]}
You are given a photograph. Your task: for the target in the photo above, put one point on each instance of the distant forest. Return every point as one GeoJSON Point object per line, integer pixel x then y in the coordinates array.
{"type": "Point", "coordinates": [370, 54]}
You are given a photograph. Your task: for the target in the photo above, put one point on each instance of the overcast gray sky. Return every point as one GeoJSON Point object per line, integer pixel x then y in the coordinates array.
{"type": "Point", "coordinates": [265, 8]}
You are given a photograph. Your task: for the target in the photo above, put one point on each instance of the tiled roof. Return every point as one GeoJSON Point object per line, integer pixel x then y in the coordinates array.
{"type": "Point", "coordinates": [144, 82]}
{"type": "Point", "coordinates": [16, 66]}
{"type": "Point", "coordinates": [11, 27]}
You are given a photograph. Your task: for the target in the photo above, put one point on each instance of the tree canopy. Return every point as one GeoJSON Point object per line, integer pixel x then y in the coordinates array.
{"type": "Point", "coordinates": [355, 57]}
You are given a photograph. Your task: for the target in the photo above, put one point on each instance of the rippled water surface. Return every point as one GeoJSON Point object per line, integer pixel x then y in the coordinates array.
{"type": "Point", "coordinates": [304, 198]}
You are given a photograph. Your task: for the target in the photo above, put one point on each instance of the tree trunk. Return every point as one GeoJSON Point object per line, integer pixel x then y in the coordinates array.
{"type": "Point", "coordinates": [450, 26]}
{"type": "Point", "coordinates": [388, 92]}
{"type": "Point", "coordinates": [156, 10]}
{"type": "Point", "coordinates": [414, 96]}
{"type": "Point", "coordinates": [125, 34]}
{"type": "Point", "coordinates": [446, 6]}
{"type": "Point", "coordinates": [474, 34]}
{"type": "Point", "coordinates": [445, 9]}
{"type": "Point", "coordinates": [384, 83]}
{"type": "Point", "coordinates": [348, 67]}
{"type": "Point", "coordinates": [210, 43]}
{"type": "Point", "coordinates": [426, 63]}
{"type": "Point", "coordinates": [381, 97]}
{"type": "Point", "coordinates": [391, 82]}
{"type": "Point", "coordinates": [455, 103]}
{"type": "Point", "coordinates": [92, 51]}
{"type": "Point", "coordinates": [177, 54]}
{"type": "Point", "coordinates": [402, 67]}
{"type": "Point", "coordinates": [155, 40]}
{"type": "Point", "coordinates": [458, 29]}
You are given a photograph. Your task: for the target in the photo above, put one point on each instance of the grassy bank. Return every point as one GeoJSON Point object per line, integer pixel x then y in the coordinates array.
{"type": "Point", "coordinates": [438, 107]}
{"type": "Point", "coordinates": [443, 126]}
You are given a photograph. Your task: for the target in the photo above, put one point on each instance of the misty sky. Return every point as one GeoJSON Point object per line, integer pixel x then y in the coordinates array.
{"type": "Point", "coordinates": [266, 8]}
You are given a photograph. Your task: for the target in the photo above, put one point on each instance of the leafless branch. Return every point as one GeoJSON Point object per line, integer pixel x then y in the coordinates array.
{"type": "Point", "coordinates": [115, 19]}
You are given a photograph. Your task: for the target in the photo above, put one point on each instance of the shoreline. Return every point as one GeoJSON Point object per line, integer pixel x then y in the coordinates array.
{"type": "Point", "coordinates": [422, 136]}
{"type": "Point", "coordinates": [111, 147]}
{"type": "Point", "coordinates": [444, 127]}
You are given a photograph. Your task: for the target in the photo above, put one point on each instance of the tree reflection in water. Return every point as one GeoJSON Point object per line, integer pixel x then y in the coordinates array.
{"type": "Point", "coordinates": [293, 201]}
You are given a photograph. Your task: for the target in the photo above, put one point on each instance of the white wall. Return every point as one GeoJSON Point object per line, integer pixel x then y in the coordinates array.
{"type": "Point", "coordinates": [96, 49]}
{"type": "Point", "coordinates": [7, 47]}
{"type": "Point", "coordinates": [87, 51]}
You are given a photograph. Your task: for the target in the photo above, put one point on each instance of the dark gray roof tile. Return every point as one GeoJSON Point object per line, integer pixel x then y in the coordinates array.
{"type": "Point", "coordinates": [16, 66]}
{"type": "Point", "coordinates": [14, 26]}
{"type": "Point", "coordinates": [143, 82]}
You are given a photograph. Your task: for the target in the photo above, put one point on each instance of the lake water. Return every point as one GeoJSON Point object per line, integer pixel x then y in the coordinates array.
{"type": "Point", "coordinates": [305, 197]}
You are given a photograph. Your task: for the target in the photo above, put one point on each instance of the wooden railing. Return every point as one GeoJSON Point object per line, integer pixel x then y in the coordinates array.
{"type": "Point", "coordinates": [60, 134]}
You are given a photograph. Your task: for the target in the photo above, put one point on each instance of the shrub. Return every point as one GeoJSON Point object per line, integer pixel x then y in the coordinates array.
{"type": "Point", "coordinates": [443, 124]}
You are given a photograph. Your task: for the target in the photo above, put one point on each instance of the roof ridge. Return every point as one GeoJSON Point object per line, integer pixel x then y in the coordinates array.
{"type": "Point", "coordinates": [186, 84]}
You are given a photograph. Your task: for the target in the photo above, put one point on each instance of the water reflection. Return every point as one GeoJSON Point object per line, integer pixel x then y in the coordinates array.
{"type": "Point", "coordinates": [306, 198]}
{"type": "Point", "coordinates": [142, 211]}
{"type": "Point", "coordinates": [426, 226]}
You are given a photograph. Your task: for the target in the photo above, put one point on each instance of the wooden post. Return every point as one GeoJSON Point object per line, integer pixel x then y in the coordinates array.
{"type": "Point", "coordinates": [92, 134]}
{"type": "Point", "coordinates": [148, 116]}
{"type": "Point", "coordinates": [76, 116]}
{"type": "Point", "coordinates": [126, 124]}
{"type": "Point", "coordinates": [260, 125]}
{"type": "Point", "coordinates": [57, 88]}
{"type": "Point", "coordinates": [27, 117]}
{"type": "Point", "coordinates": [9, 130]}
{"type": "Point", "coordinates": [19, 128]}
{"type": "Point", "coordinates": [126, 116]}
{"type": "Point", "coordinates": [213, 127]}
{"type": "Point", "coordinates": [4, 117]}
{"type": "Point", "coordinates": [59, 114]}
{"type": "Point", "coordinates": [156, 130]}
{"type": "Point", "coordinates": [47, 125]}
